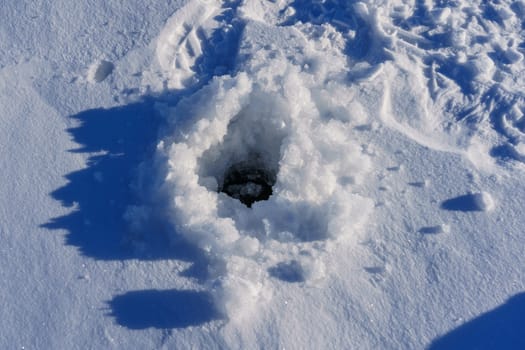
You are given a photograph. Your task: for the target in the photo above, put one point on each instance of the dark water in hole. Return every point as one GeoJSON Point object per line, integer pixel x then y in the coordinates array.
{"type": "Point", "coordinates": [248, 182]}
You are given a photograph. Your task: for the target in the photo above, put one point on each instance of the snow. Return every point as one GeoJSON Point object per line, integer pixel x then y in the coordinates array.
{"type": "Point", "coordinates": [100, 71]}
{"type": "Point", "coordinates": [391, 132]}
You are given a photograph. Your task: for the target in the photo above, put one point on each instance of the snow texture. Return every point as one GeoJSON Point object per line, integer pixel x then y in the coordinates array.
{"type": "Point", "coordinates": [381, 144]}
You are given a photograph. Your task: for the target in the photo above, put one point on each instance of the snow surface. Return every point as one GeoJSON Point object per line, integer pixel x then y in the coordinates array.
{"type": "Point", "coordinates": [395, 130]}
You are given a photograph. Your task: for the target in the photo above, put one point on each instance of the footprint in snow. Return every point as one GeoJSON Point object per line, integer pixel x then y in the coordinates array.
{"type": "Point", "coordinates": [99, 71]}
{"type": "Point", "coordinates": [291, 271]}
{"type": "Point", "coordinates": [434, 230]}
{"type": "Point", "coordinates": [197, 42]}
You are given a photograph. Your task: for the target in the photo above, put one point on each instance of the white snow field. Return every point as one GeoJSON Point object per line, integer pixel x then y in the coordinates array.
{"type": "Point", "coordinates": [256, 174]}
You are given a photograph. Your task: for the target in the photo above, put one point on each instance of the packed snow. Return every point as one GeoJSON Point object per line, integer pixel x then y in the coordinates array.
{"type": "Point", "coordinates": [291, 174]}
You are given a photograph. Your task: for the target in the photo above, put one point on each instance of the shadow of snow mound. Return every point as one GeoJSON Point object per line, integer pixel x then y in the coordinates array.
{"type": "Point", "coordinates": [116, 140]}
{"type": "Point", "coordinates": [163, 309]}
{"type": "Point", "coordinates": [469, 202]}
{"type": "Point", "coordinates": [501, 328]}
{"type": "Point", "coordinates": [105, 200]}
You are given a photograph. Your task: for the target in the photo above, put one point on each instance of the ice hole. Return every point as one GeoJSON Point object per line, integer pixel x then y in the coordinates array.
{"type": "Point", "coordinates": [249, 181]}
{"type": "Point", "coordinates": [246, 163]}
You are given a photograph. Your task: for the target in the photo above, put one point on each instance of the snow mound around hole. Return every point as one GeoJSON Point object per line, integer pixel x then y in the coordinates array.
{"type": "Point", "coordinates": [309, 162]}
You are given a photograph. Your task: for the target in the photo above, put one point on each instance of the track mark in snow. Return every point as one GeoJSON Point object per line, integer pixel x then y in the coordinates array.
{"type": "Point", "coordinates": [379, 269]}
{"type": "Point", "coordinates": [99, 71]}
{"type": "Point", "coordinates": [377, 273]}
{"type": "Point", "coordinates": [433, 230]}
{"type": "Point", "coordinates": [366, 41]}
{"type": "Point", "coordinates": [466, 78]}
{"type": "Point", "coordinates": [198, 41]}
{"type": "Point", "coordinates": [179, 44]}
{"type": "Point", "coordinates": [419, 184]}
{"type": "Point", "coordinates": [395, 168]}
{"type": "Point", "coordinates": [507, 116]}
{"type": "Point", "coordinates": [291, 271]}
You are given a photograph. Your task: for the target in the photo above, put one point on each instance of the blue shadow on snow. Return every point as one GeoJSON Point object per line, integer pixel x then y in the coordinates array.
{"type": "Point", "coordinates": [501, 328]}
{"type": "Point", "coordinates": [120, 139]}
{"type": "Point", "coordinates": [465, 203]}
{"type": "Point", "coordinates": [291, 272]}
{"type": "Point", "coordinates": [117, 139]}
{"type": "Point", "coordinates": [163, 309]}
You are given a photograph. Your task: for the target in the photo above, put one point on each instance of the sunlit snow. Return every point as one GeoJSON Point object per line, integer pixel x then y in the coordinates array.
{"type": "Point", "coordinates": [252, 174]}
